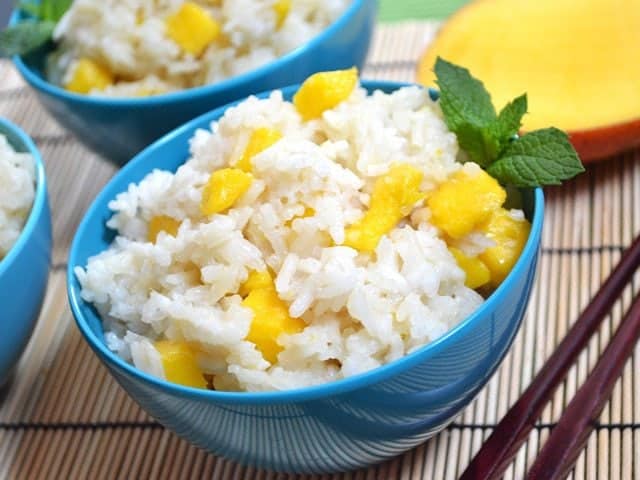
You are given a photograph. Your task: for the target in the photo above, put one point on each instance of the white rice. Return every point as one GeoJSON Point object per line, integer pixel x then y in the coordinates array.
{"type": "Point", "coordinates": [17, 189]}
{"type": "Point", "coordinates": [361, 310]}
{"type": "Point", "coordinates": [145, 60]}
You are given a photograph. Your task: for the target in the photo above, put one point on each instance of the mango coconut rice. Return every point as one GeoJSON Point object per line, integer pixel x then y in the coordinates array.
{"type": "Point", "coordinates": [143, 47]}
{"type": "Point", "coordinates": [302, 242]}
{"type": "Point", "coordinates": [17, 189]}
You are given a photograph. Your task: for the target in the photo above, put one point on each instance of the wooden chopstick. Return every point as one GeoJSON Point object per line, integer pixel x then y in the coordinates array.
{"type": "Point", "coordinates": [568, 437]}
{"type": "Point", "coordinates": [496, 453]}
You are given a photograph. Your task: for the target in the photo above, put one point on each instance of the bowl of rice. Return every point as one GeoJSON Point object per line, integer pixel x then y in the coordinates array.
{"type": "Point", "coordinates": [122, 74]}
{"type": "Point", "coordinates": [25, 242]}
{"type": "Point", "coordinates": [308, 280]}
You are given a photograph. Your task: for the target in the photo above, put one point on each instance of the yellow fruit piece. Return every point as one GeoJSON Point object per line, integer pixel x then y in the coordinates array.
{"type": "Point", "coordinates": [89, 75]}
{"type": "Point", "coordinates": [563, 53]}
{"type": "Point", "coordinates": [308, 212]}
{"type": "Point", "coordinates": [464, 201]}
{"type": "Point", "coordinates": [255, 281]}
{"type": "Point", "coordinates": [270, 319]}
{"type": "Point", "coordinates": [510, 236]}
{"type": "Point", "coordinates": [260, 140]}
{"type": "Point", "coordinates": [192, 28]}
{"type": "Point", "coordinates": [223, 189]}
{"type": "Point", "coordinates": [179, 363]}
{"type": "Point", "coordinates": [281, 9]}
{"type": "Point", "coordinates": [477, 273]}
{"type": "Point", "coordinates": [394, 196]}
{"type": "Point", "coordinates": [323, 91]}
{"type": "Point", "coordinates": [162, 223]}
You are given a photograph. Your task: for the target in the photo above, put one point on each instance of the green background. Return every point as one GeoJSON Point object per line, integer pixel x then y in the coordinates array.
{"type": "Point", "coordinates": [394, 10]}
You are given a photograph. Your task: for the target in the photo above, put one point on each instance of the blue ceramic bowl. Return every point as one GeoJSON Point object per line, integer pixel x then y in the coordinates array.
{"type": "Point", "coordinates": [332, 427]}
{"type": "Point", "coordinates": [24, 271]}
{"type": "Point", "coordinates": [118, 128]}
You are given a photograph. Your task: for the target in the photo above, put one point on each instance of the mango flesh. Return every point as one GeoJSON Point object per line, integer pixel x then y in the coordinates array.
{"type": "Point", "coordinates": [260, 140]}
{"type": "Point", "coordinates": [281, 9]}
{"type": "Point", "coordinates": [324, 91]}
{"type": "Point", "coordinates": [162, 223]}
{"type": "Point", "coordinates": [476, 272]}
{"type": "Point", "coordinates": [464, 201]}
{"type": "Point", "coordinates": [394, 196]}
{"type": "Point", "coordinates": [270, 315]}
{"type": "Point", "coordinates": [89, 75]}
{"type": "Point", "coordinates": [179, 363]}
{"type": "Point", "coordinates": [223, 189]}
{"type": "Point", "coordinates": [510, 236]}
{"type": "Point", "coordinates": [192, 28]}
{"type": "Point", "coordinates": [576, 60]}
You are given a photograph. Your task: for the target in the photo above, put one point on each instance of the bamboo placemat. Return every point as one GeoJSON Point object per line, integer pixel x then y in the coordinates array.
{"type": "Point", "coordinates": [64, 417]}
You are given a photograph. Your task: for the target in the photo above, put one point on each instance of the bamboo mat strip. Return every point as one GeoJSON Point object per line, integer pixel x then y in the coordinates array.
{"type": "Point", "coordinates": [64, 416]}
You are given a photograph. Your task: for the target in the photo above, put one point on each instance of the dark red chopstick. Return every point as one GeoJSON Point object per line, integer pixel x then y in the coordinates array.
{"type": "Point", "coordinates": [568, 437]}
{"type": "Point", "coordinates": [501, 446]}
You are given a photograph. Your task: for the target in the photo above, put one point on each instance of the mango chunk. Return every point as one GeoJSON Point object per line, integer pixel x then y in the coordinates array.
{"type": "Point", "coordinates": [179, 363]}
{"type": "Point", "coordinates": [255, 281]}
{"type": "Point", "coordinates": [510, 236]}
{"type": "Point", "coordinates": [281, 9]}
{"type": "Point", "coordinates": [394, 196]}
{"type": "Point", "coordinates": [476, 272]}
{"type": "Point", "coordinates": [270, 315]}
{"type": "Point", "coordinates": [89, 75]}
{"type": "Point", "coordinates": [464, 201]}
{"type": "Point", "coordinates": [323, 91]}
{"type": "Point", "coordinates": [308, 212]}
{"type": "Point", "coordinates": [162, 223]}
{"type": "Point", "coordinates": [192, 28]}
{"type": "Point", "coordinates": [563, 53]}
{"type": "Point", "coordinates": [223, 189]}
{"type": "Point", "coordinates": [260, 140]}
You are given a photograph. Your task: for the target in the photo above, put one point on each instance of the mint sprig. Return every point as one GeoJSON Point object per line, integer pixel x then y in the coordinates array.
{"type": "Point", "coordinates": [538, 158]}
{"type": "Point", "coordinates": [28, 35]}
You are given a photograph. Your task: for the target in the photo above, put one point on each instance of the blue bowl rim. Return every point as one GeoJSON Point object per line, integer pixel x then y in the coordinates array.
{"type": "Point", "coordinates": [196, 92]}
{"type": "Point", "coordinates": [324, 390]}
{"type": "Point", "coordinates": [40, 196]}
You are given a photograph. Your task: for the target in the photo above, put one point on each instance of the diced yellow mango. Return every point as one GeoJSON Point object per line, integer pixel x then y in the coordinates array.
{"type": "Point", "coordinates": [162, 223]}
{"type": "Point", "coordinates": [308, 212]}
{"type": "Point", "coordinates": [89, 75]}
{"type": "Point", "coordinates": [477, 273]}
{"type": "Point", "coordinates": [281, 9]}
{"type": "Point", "coordinates": [223, 189]}
{"type": "Point", "coordinates": [260, 140]}
{"type": "Point", "coordinates": [510, 236]}
{"type": "Point", "coordinates": [179, 363]}
{"type": "Point", "coordinates": [255, 281]}
{"type": "Point", "coordinates": [464, 201]}
{"type": "Point", "coordinates": [323, 91]}
{"type": "Point", "coordinates": [394, 196]}
{"type": "Point", "coordinates": [270, 319]}
{"type": "Point", "coordinates": [192, 28]}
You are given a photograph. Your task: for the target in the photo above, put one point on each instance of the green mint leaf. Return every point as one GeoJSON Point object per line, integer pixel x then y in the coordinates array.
{"type": "Point", "coordinates": [464, 97]}
{"type": "Point", "coordinates": [510, 119]}
{"type": "Point", "coordinates": [24, 37]}
{"type": "Point", "coordinates": [53, 10]}
{"type": "Point", "coordinates": [30, 8]}
{"type": "Point", "coordinates": [542, 157]}
{"type": "Point", "coordinates": [468, 111]}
